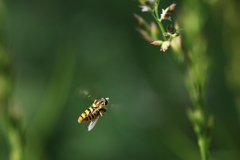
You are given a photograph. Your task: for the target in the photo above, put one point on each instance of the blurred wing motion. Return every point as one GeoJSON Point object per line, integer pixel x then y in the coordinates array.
{"type": "Point", "coordinates": [92, 124]}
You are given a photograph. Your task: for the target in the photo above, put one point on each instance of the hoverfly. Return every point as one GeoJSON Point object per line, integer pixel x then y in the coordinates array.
{"type": "Point", "coordinates": [93, 113]}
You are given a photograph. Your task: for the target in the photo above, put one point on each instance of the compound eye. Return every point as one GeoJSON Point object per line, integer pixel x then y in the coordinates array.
{"type": "Point", "coordinates": [105, 101]}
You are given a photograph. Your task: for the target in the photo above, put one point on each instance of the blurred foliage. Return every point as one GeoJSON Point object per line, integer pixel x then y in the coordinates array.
{"type": "Point", "coordinates": [61, 47]}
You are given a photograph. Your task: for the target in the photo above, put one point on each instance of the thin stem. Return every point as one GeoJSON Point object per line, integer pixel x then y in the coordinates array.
{"type": "Point", "coordinates": [193, 66]}
{"type": "Point", "coordinates": [159, 23]}
{"type": "Point", "coordinates": [15, 142]}
{"type": "Point", "coordinates": [202, 142]}
{"type": "Point", "coordinates": [156, 9]}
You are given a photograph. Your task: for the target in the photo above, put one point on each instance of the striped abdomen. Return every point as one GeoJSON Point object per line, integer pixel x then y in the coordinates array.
{"type": "Point", "coordinates": [97, 109]}
{"type": "Point", "coordinates": [88, 114]}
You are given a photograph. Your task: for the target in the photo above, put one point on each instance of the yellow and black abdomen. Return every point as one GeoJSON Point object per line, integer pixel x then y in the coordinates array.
{"type": "Point", "coordinates": [97, 109]}
{"type": "Point", "coordinates": [87, 115]}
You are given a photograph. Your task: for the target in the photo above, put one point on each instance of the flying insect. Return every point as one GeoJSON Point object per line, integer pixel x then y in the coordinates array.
{"type": "Point", "coordinates": [92, 114]}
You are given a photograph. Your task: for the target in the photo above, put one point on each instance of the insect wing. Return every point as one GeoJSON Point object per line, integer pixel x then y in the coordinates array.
{"type": "Point", "coordinates": [92, 124]}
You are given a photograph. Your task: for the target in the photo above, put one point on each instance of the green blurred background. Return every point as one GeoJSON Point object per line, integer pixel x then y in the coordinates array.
{"type": "Point", "coordinates": [59, 48]}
